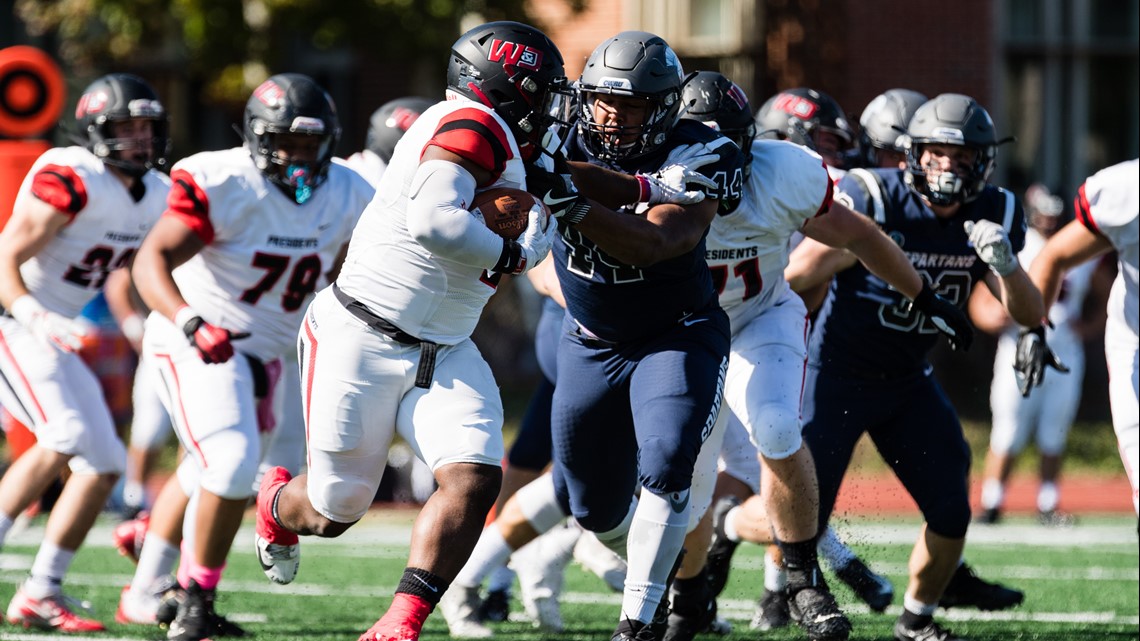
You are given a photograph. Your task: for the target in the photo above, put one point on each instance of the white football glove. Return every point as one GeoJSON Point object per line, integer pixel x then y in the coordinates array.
{"type": "Point", "coordinates": [64, 334]}
{"type": "Point", "coordinates": [671, 184]}
{"type": "Point", "coordinates": [992, 244]}
{"type": "Point", "coordinates": [537, 239]}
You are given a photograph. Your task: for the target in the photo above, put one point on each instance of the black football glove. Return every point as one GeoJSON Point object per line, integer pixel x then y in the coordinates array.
{"type": "Point", "coordinates": [1033, 354]}
{"type": "Point", "coordinates": [946, 316]}
{"type": "Point", "coordinates": [557, 190]}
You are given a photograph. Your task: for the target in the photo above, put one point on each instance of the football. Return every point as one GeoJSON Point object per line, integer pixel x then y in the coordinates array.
{"type": "Point", "coordinates": [505, 210]}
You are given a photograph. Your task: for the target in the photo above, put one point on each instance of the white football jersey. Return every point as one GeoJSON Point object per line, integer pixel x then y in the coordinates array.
{"type": "Point", "coordinates": [1109, 203]}
{"type": "Point", "coordinates": [429, 296]}
{"type": "Point", "coordinates": [747, 249]}
{"type": "Point", "coordinates": [265, 255]}
{"type": "Point", "coordinates": [107, 227]}
{"type": "Point", "coordinates": [367, 164]}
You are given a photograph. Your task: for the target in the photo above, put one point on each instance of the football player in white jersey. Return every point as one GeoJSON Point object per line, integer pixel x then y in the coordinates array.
{"type": "Point", "coordinates": [386, 349]}
{"type": "Point", "coordinates": [747, 250]}
{"type": "Point", "coordinates": [1107, 207]}
{"type": "Point", "coordinates": [1047, 415]}
{"type": "Point", "coordinates": [385, 128]}
{"type": "Point", "coordinates": [81, 213]}
{"type": "Point", "coordinates": [249, 234]}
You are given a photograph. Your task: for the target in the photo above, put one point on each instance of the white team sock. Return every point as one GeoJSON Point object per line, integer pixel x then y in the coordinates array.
{"type": "Point", "coordinates": [730, 524]}
{"type": "Point", "coordinates": [491, 552]}
{"type": "Point", "coordinates": [775, 578]}
{"type": "Point", "coordinates": [48, 569]}
{"type": "Point", "coordinates": [502, 578]}
{"type": "Point", "coordinates": [6, 523]}
{"type": "Point", "coordinates": [617, 538]}
{"type": "Point", "coordinates": [993, 493]}
{"type": "Point", "coordinates": [156, 559]}
{"type": "Point", "coordinates": [834, 552]}
{"type": "Point", "coordinates": [656, 536]}
{"type": "Point", "coordinates": [134, 494]}
{"type": "Point", "coordinates": [914, 606]}
{"type": "Point", "coordinates": [1047, 497]}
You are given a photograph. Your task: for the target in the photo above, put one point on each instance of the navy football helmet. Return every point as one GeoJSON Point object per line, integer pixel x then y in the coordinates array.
{"type": "Point", "coordinates": [117, 97]}
{"type": "Point", "coordinates": [291, 103]}
{"type": "Point", "coordinates": [632, 64]}
{"type": "Point", "coordinates": [388, 124]}
{"type": "Point", "coordinates": [516, 70]}
{"type": "Point", "coordinates": [951, 119]}
{"type": "Point", "coordinates": [718, 102]}
{"type": "Point", "coordinates": [884, 121]}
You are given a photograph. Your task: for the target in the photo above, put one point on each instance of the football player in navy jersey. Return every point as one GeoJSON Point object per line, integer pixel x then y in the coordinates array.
{"type": "Point", "coordinates": [867, 366]}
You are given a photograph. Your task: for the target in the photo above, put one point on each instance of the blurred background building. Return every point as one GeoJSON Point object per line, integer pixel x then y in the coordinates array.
{"type": "Point", "coordinates": [1063, 76]}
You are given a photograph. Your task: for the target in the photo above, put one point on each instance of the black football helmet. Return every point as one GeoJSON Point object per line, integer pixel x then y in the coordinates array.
{"type": "Point", "coordinates": [884, 121]}
{"type": "Point", "coordinates": [117, 97]}
{"type": "Point", "coordinates": [516, 70]}
{"type": "Point", "coordinates": [388, 124]}
{"type": "Point", "coordinates": [951, 119]}
{"type": "Point", "coordinates": [633, 64]}
{"type": "Point", "coordinates": [799, 115]}
{"type": "Point", "coordinates": [713, 99]}
{"type": "Point", "coordinates": [290, 103]}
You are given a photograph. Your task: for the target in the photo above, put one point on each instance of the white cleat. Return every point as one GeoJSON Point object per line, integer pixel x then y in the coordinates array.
{"type": "Point", "coordinates": [279, 562]}
{"type": "Point", "coordinates": [460, 608]}
{"type": "Point", "coordinates": [541, 567]}
{"type": "Point", "coordinates": [593, 555]}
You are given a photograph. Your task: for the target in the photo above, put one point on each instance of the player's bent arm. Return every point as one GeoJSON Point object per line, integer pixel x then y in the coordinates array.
{"type": "Point", "coordinates": [169, 244]}
{"type": "Point", "coordinates": [987, 312]}
{"type": "Point", "coordinates": [544, 279]}
{"type": "Point", "coordinates": [842, 228]}
{"type": "Point", "coordinates": [29, 229]}
{"type": "Point", "coordinates": [610, 188]}
{"type": "Point", "coordinates": [1073, 245]}
{"type": "Point", "coordinates": [813, 263]}
{"type": "Point", "coordinates": [438, 217]}
{"type": "Point", "coordinates": [124, 306]}
{"type": "Point", "coordinates": [1018, 295]}
{"type": "Point", "coordinates": [665, 231]}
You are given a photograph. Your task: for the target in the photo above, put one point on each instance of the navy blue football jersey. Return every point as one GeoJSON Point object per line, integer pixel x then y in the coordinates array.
{"type": "Point", "coordinates": [619, 302]}
{"type": "Point", "coordinates": [867, 328]}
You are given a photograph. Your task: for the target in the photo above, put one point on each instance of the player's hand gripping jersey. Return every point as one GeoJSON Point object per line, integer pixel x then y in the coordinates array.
{"type": "Point", "coordinates": [871, 329]}
{"type": "Point", "coordinates": [108, 224]}
{"type": "Point", "coordinates": [261, 262]}
{"type": "Point", "coordinates": [617, 302]}
{"type": "Point", "coordinates": [747, 248]}
{"type": "Point", "coordinates": [432, 296]}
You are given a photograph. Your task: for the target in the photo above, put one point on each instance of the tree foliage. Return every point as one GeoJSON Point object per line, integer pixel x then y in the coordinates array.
{"type": "Point", "coordinates": [229, 44]}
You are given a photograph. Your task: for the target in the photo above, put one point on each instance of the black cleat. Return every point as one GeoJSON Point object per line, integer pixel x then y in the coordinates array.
{"type": "Point", "coordinates": [873, 589]}
{"type": "Point", "coordinates": [692, 614]}
{"type": "Point", "coordinates": [929, 632]}
{"type": "Point", "coordinates": [771, 611]}
{"type": "Point", "coordinates": [495, 607]}
{"type": "Point", "coordinates": [194, 621]}
{"type": "Point", "coordinates": [722, 548]}
{"type": "Point", "coordinates": [966, 590]}
{"type": "Point", "coordinates": [223, 627]}
{"type": "Point", "coordinates": [630, 630]}
{"type": "Point", "coordinates": [989, 516]}
{"type": "Point", "coordinates": [815, 610]}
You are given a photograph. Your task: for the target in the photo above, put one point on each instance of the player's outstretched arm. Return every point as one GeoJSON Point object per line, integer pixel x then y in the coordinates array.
{"type": "Point", "coordinates": [1073, 245]}
{"type": "Point", "coordinates": [841, 228]}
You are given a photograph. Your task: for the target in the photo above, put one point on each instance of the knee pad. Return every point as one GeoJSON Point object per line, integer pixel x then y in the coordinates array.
{"type": "Point", "coordinates": [231, 475]}
{"type": "Point", "coordinates": [776, 431]}
{"type": "Point", "coordinates": [538, 502]}
{"type": "Point", "coordinates": [666, 464]}
{"type": "Point", "coordinates": [344, 500]}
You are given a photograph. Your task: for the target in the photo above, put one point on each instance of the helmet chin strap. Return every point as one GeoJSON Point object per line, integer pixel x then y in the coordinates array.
{"type": "Point", "coordinates": [297, 178]}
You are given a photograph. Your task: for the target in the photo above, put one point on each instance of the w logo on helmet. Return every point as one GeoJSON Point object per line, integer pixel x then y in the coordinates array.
{"type": "Point", "coordinates": [518, 55]}
{"type": "Point", "coordinates": [795, 105]}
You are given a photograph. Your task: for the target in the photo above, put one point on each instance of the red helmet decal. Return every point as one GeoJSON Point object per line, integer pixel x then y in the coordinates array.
{"type": "Point", "coordinates": [402, 118]}
{"type": "Point", "coordinates": [795, 105]}
{"type": "Point", "coordinates": [518, 55]}
{"type": "Point", "coordinates": [92, 103]}
{"type": "Point", "coordinates": [270, 94]}
{"type": "Point", "coordinates": [737, 95]}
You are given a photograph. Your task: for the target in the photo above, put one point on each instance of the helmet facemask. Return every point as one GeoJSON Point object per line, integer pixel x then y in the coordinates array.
{"type": "Point", "coordinates": [949, 186]}
{"type": "Point", "coordinates": [120, 97]}
{"type": "Point", "coordinates": [297, 178]}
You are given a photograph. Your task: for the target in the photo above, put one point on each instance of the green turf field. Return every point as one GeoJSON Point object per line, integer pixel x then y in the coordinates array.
{"type": "Point", "coordinates": [1081, 584]}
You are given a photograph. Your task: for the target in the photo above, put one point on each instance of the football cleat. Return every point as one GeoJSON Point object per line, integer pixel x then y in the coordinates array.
{"type": "Point", "coordinates": [771, 611]}
{"type": "Point", "coordinates": [966, 590]}
{"type": "Point", "coordinates": [278, 550]}
{"type": "Point", "coordinates": [630, 630]}
{"type": "Point", "coordinates": [541, 568]}
{"type": "Point", "coordinates": [815, 610]}
{"type": "Point", "coordinates": [136, 608]}
{"type": "Point", "coordinates": [721, 548]}
{"type": "Point", "coordinates": [495, 607]}
{"type": "Point", "coordinates": [1053, 518]}
{"type": "Point", "coordinates": [460, 608]}
{"type": "Point", "coordinates": [989, 516]}
{"type": "Point", "coordinates": [929, 632]}
{"type": "Point", "coordinates": [193, 622]}
{"type": "Point", "coordinates": [873, 589]}
{"type": "Point", "coordinates": [129, 535]}
{"type": "Point", "coordinates": [53, 612]}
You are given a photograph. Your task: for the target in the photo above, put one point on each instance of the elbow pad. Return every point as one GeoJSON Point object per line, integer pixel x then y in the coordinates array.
{"type": "Point", "coordinates": [438, 219]}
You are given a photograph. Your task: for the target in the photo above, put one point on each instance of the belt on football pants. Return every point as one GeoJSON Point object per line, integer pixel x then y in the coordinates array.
{"type": "Point", "coordinates": [427, 348]}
